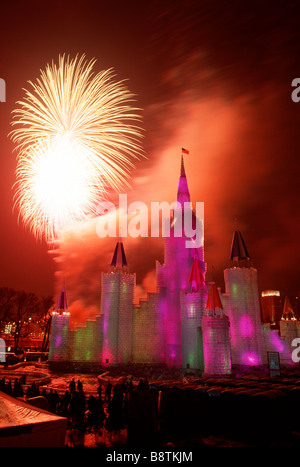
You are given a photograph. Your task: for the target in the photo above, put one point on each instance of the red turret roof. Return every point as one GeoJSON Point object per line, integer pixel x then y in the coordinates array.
{"type": "Point", "coordinates": [213, 299]}
{"type": "Point", "coordinates": [196, 276]}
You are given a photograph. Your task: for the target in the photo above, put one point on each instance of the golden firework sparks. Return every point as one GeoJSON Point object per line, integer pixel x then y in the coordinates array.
{"type": "Point", "coordinates": [76, 137]}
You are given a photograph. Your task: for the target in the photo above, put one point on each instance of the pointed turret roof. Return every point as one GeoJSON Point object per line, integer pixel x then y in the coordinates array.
{"type": "Point", "coordinates": [183, 194]}
{"type": "Point", "coordinates": [238, 251]}
{"type": "Point", "coordinates": [196, 278]}
{"type": "Point", "coordinates": [119, 259]}
{"type": "Point", "coordinates": [288, 312]}
{"type": "Point", "coordinates": [213, 299]}
{"type": "Point", "coordinates": [62, 301]}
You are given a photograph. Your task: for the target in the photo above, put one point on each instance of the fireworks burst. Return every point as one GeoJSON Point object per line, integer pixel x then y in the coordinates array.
{"type": "Point", "coordinates": [76, 137]}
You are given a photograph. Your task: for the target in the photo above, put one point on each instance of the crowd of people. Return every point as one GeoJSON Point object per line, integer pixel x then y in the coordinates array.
{"type": "Point", "coordinates": [106, 409]}
{"type": "Point", "coordinates": [14, 389]}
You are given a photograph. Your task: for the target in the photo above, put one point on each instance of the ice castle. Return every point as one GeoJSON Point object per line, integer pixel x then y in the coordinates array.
{"type": "Point", "coordinates": [187, 323]}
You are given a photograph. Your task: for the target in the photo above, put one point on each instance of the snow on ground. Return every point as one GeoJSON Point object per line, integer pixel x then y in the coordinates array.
{"type": "Point", "coordinates": [61, 383]}
{"type": "Point", "coordinates": [49, 380]}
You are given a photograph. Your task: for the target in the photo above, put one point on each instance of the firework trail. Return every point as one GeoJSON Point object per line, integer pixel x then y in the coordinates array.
{"type": "Point", "coordinates": [76, 136]}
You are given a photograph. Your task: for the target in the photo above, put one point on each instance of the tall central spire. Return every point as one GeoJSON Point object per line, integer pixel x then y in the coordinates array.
{"type": "Point", "coordinates": [182, 169]}
{"type": "Point", "coordinates": [183, 194]}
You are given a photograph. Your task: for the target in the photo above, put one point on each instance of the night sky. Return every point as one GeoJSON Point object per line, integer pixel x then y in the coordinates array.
{"type": "Point", "coordinates": [212, 76]}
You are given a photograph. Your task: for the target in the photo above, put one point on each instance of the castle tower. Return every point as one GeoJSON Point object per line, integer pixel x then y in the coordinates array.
{"type": "Point", "coordinates": [58, 348]}
{"type": "Point", "coordinates": [247, 342]}
{"type": "Point", "coordinates": [289, 330]}
{"type": "Point", "coordinates": [117, 306]}
{"type": "Point", "coordinates": [178, 260]}
{"type": "Point", "coordinates": [216, 341]}
{"type": "Point", "coordinates": [193, 304]}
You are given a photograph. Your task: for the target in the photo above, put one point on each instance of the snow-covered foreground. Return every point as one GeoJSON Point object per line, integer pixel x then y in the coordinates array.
{"type": "Point", "coordinates": [47, 380]}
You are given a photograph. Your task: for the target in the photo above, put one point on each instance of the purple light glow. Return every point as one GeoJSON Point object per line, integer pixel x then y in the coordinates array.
{"type": "Point", "coordinates": [250, 358]}
{"type": "Point", "coordinates": [108, 357]}
{"type": "Point", "coordinates": [246, 327]}
{"type": "Point", "coordinates": [105, 325]}
{"type": "Point", "coordinates": [58, 341]}
{"type": "Point", "coordinates": [277, 342]}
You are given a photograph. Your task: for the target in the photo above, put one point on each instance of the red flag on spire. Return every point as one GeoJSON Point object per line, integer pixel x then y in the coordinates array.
{"type": "Point", "coordinates": [184, 151]}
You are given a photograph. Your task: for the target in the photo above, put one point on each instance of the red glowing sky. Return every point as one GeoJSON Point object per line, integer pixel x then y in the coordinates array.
{"type": "Point", "coordinates": [211, 76]}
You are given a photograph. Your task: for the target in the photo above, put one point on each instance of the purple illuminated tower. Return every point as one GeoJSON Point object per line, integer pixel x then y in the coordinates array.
{"type": "Point", "coordinates": [246, 333]}
{"type": "Point", "coordinates": [117, 306]}
{"type": "Point", "coordinates": [178, 260]}
{"type": "Point", "coordinates": [58, 348]}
